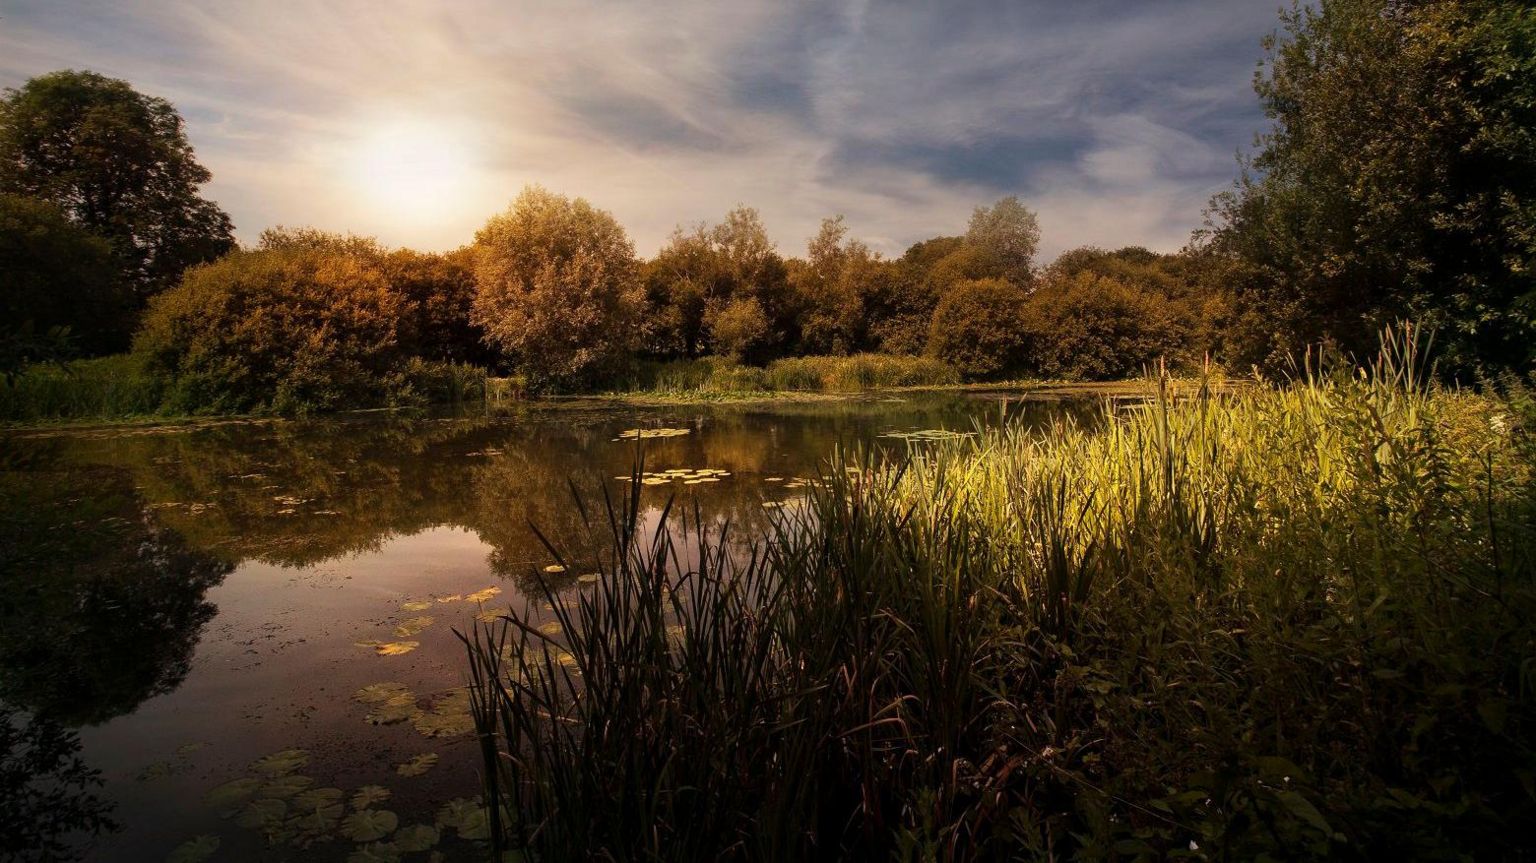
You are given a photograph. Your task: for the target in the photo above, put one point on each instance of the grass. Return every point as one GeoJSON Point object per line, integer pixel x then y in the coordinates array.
{"type": "Point", "coordinates": [113, 387]}
{"type": "Point", "coordinates": [1292, 621]}
{"type": "Point", "coordinates": [832, 374]}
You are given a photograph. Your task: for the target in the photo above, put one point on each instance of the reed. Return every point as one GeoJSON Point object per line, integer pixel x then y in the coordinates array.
{"type": "Point", "coordinates": [1293, 620]}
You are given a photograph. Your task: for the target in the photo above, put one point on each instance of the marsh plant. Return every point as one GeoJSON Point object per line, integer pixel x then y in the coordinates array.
{"type": "Point", "coordinates": [1289, 621]}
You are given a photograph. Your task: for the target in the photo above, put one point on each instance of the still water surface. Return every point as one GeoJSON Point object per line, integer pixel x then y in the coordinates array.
{"type": "Point", "coordinates": [197, 602]}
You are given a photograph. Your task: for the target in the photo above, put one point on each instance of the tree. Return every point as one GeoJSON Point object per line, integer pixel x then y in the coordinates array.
{"type": "Point", "coordinates": [834, 287]}
{"type": "Point", "coordinates": [1398, 180]}
{"type": "Point", "coordinates": [976, 328]}
{"type": "Point", "coordinates": [288, 329]}
{"type": "Point", "coordinates": [1086, 326]}
{"type": "Point", "coordinates": [557, 288]}
{"type": "Point", "coordinates": [117, 162]}
{"type": "Point", "coordinates": [1005, 238]}
{"type": "Point", "coordinates": [708, 274]}
{"type": "Point", "coordinates": [440, 293]}
{"type": "Point", "coordinates": [54, 275]}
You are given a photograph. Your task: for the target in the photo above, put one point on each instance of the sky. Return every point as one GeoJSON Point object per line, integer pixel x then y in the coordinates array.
{"type": "Point", "coordinates": [416, 120]}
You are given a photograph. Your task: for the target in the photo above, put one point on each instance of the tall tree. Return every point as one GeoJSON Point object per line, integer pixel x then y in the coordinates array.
{"type": "Point", "coordinates": [557, 288]}
{"type": "Point", "coordinates": [1005, 236]}
{"type": "Point", "coordinates": [54, 275]}
{"type": "Point", "coordinates": [1398, 179]}
{"type": "Point", "coordinates": [119, 163]}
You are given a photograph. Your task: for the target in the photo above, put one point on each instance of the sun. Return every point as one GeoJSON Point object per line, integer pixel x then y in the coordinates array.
{"type": "Point", "coordinates": [419, 170]}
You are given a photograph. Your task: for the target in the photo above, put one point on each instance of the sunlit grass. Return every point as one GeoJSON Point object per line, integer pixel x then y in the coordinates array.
{"type": "Point", "coordinates": [1294, 619]}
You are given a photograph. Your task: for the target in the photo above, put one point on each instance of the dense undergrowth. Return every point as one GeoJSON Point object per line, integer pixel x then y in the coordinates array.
{"type": "Point", "coordinates": [1289, 622]}
{"type": "Point", "coordinates": [839, 374]}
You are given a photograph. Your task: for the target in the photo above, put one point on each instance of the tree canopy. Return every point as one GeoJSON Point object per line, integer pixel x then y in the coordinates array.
{"type": "Point", "coordinates": [117, 162]}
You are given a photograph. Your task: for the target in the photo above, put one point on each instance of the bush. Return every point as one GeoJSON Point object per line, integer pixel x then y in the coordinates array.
{"type": "Point", "coordinates": [1092, 327]}
{"type": "Point", "coordinates": [290, 330]}
{"type": "Point", "coordinates": [858, 373]}
{"type": "Point", "coordinates": [976, 328]}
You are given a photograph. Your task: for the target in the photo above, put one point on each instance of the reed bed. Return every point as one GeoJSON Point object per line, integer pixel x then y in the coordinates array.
{"type": "Point", "coordinates": [1293, 621]}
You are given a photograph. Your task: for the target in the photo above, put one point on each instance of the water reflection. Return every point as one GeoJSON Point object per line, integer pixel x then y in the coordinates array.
{"type": "Point", "coordinates": [314, 538]}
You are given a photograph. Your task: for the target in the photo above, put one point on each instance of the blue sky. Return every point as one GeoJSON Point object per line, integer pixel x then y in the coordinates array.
{"type": "Point", "coordinates": [414, 120]}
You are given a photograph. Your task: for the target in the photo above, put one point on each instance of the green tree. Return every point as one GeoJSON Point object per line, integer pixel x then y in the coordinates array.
{"type": "Point", "coordinates": [54, 274]}
{"type": "Point", "coordinates": [1083, 325]}
{"type": "Point", "coordinates": [977, 328]}
{"type": "Point", "coordinates": [1005, 237]}
{"type": "Point", "coordinates": [835, 286]}
{"type": "Point", "coordinates": [119, 163]}
{"type": "Point", "coordinates": [557, 288]}
{"type": "Point", "coordinates": [1398, 179]}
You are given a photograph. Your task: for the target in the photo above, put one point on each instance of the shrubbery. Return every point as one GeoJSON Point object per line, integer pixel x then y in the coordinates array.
{"type": "Point", "coordinates": [281, 329]}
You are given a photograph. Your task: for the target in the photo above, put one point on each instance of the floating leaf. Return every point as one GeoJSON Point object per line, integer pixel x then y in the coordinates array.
{"type": "Point", "coordinates": [412, 625]}
{"type": "Point", "coordinates": [228, 798]}
{"type": "Point", "coordinates": [376, 852]}
{"type": "Point", "coordinates": [281, 763]}
{"type": "Point", "coordinates": [158, 770]}
{"type": "Point", "coordinates": [465, 817]}
{"type": "Point", "coordinates": [189, 748]}
{"type": "Point", "coordinates": [368, 795]}
{"type": "Point", "coordinates": [415, 605]}
{"type": "Point", "coordinates": [378, 693]}
{"type": "Point", "coordinates": [480, 596]}
{"type": "Point", "coordinates": [398, 708]}
{"type": "Point", "coordinates": [396, 648]}
{"type": "Point", "coordinates": [554, 569]}
{"type": "Point", "coordinates": [588, 578]}
{"type": "Point", "coordinates": [551, 628]}
{"type": "Point", "coordinates": [646, 434]}
{"type": "Point", "coordinates": [319, 800]}
{"type": "Point", "coordinates": [490, 616]}
{"type": "Point", "coordinates": [366, 825]}
{"type": "Point", "coordinates": [194, 850]}
{"type": "Point", "coordinates": [259, 814]}
{"type": "Point", "coordinates": [285, 786]}
{"type": "Point", "coordinates": [416, 837]}
{"type": "Point", "coordinates": [418, 765]}
{"type": "Point", "coordinates": [454, 598]}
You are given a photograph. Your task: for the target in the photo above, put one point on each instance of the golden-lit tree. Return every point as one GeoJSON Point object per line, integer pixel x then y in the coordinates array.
{"type": "Point", "coordinates": [558, 292]}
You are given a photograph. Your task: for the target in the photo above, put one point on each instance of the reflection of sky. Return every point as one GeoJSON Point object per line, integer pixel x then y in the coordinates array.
{"type": "Point", "coordinates": [1116, 120]}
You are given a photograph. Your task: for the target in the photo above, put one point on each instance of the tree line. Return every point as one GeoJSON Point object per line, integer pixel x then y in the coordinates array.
{"type": "Point", "coordinates": [1397, 179]}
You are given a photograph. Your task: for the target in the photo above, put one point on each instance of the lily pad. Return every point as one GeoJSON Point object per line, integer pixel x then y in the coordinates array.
{"type": "Point", "coordinates": [281, 763]}
{"type": "Point", "coordinates": [418, 765]}
{"type": "Point", "coordinates": [551, 628]}
{"type": "Point", "coordinates": [375, 852]}
{"type": "Point", "coordinates": [194, 850]}
{"type": "Point", "coordinates": [229, 797]}
{"type": "Point", "coordinates": [490, 616]}
{"type": "Point", "coordinates": [378, 693]}
{"type": "Point", "coordinates": [259, 814]}
{"type": "Point", "coordinates": [396, 648]}
{"type": "Point", "coordinates": [482, 595]}
{"type": "Point", "coordinates": [466, 817]}
{"type": "Point", "coordinates": [414, 838]}
{"type": "Point", "coordinates": [368, 795]}
{"type": "Point", "coordinates": [554, 569]}
{"type": "Point", "coordinates": [647, 434]}
{"type": "Point", "coordinates": [366, 825]}
{"type": "Point", "coordinates": [415, 605]}
{"type": "Point", "coordinates": [285, 786]}
{"type": "Point", "coordinates": [451, 598]}
{"type": "Point", "coordinates": [323, 800]}
{"type": "Point", "coordinates": [398, 708]}
{"type": "Point", "coordinates": [413, 625]}
{"type": "Point", "coordinates": [588, 578]}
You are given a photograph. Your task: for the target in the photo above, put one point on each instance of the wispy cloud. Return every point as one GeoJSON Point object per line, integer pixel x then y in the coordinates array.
{"type": "Point", "coordinates": [1116, 120]}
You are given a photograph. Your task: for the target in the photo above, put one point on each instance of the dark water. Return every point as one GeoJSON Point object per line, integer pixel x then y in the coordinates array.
{"type": "Point", "coordinates": [194, 601]}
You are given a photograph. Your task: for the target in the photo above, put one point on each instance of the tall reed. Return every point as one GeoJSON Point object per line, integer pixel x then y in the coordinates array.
{"type": "Point", "coordinates": [1293, 621]}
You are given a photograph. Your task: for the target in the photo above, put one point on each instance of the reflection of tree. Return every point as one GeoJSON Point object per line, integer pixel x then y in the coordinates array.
{"type": "Point", "coordinates": [46, 791]}
{"type": "Point", "coordinates": [101, 608]}
{"type": "Point", "coordinates": [297, 494]}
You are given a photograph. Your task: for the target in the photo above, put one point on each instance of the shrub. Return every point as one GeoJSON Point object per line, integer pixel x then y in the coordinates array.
{"type": "Point", "coordinates": [290, 330]}
{"type": "Point", "coordinates": [976, 328]}
{"type": "Point", "coordinates": [858, 372]}
{"type": "Point", "coordinates": [1093, 327]}
{"type": "Point", "coordinates": [103, 388]}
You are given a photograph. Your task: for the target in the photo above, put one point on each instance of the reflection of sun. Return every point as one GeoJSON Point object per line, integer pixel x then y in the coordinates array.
{"type": "Point", "coordinates": [418, 169]}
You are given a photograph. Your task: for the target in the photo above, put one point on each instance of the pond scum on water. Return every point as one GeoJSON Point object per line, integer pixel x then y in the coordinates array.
{"type": "Point", "coordinates": [1286, 622]}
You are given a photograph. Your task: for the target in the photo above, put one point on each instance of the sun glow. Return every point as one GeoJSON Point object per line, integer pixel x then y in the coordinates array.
{"type": "Point", "coordinates": [420, 171]}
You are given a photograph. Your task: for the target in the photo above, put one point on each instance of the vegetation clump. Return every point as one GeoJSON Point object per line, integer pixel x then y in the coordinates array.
{"type": "Point", "coordinates": [1287, 620]}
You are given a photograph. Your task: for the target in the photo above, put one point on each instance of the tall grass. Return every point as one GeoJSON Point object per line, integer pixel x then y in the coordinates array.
{"type": "Point", "coordinates": [839, 374]}
{"type": "Point", "coordinates": [1293, 621]}
{"type": "Point", "coordinates": [106, 388]}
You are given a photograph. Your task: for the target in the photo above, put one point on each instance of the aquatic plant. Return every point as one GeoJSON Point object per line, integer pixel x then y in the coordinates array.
{"type": "Point", "coordinates": [1290, 620]}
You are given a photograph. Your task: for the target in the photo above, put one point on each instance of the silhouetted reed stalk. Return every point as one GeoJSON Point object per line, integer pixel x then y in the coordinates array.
{"type": "Point", "coordinates": [1290, 619]}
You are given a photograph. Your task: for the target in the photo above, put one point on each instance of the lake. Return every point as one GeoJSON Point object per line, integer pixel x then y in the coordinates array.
{"type": "Point", "coordinates": [252, 624]}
